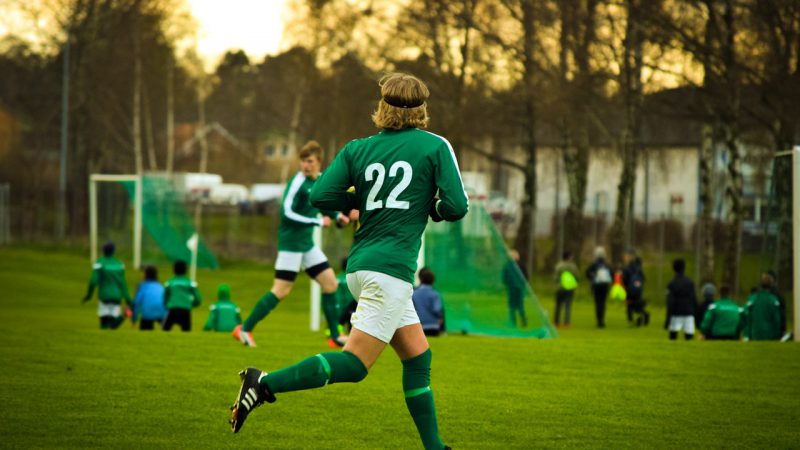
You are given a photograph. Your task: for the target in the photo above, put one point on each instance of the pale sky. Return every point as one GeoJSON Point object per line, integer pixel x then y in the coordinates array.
{"type": "Point", "coordinates": [254, 26]}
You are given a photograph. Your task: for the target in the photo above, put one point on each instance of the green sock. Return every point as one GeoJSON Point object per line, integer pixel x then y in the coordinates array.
{"type": "Point", "coordinates": [317, 371]}
{"type": "Point", "coordinates": [419, 399]}
{"type": "Point", "coordinates": [331, 314]}
{"type": "Point", "coordinates": [264, 305]}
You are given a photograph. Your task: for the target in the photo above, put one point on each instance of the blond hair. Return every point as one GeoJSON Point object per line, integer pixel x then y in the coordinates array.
{"type": "Point", "coordinates": [402, 104]}
{"type": "Point", "coordinates": [312, 148]}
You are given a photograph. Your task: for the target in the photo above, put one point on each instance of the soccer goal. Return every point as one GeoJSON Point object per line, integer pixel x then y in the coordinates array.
{"type": "Point", "coordinates": [796, 232]}
{"type": "Point", "coordinates": [136, 225]}
{"type": "Point", "coordinates": [152, 210]}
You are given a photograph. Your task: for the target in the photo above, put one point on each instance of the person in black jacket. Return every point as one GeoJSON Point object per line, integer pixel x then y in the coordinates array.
{"type": "Point", "coordinates": [599, 274]}
{"type": "Point", "coordinates": [681, 301]}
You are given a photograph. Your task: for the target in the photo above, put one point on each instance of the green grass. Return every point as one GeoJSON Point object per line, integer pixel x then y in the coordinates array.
{"type": "Point", "coordinates": [65, 383]}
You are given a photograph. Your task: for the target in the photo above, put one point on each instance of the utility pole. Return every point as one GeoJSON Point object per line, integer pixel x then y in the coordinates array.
{"type": "Point", "coordinates": [62, 178]}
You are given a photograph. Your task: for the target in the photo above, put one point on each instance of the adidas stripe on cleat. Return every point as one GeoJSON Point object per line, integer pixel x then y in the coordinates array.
{"type": "Point", "coordinates": [251, 395]}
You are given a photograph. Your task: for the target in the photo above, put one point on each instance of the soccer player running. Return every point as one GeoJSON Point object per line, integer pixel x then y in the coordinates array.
{"type": "Point", "coordinates": [296, 249]}
{"type": "Point", "coordinates": [396, 174]}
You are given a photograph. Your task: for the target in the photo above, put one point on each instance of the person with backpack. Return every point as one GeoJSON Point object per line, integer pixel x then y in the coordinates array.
{"type": "Point", "coordinates": [599, 275]}
{"type": "Point", "coordinates": [633, 279]}
{"type": "Point", "coordinates": [566, 275]}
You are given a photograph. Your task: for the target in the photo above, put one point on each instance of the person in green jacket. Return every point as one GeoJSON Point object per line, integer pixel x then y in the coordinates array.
{"type": "Point", "coordinates": [762, 314]}
{"type": "Point", "coordinates": [180, 296]}
{"type": "Point", "coordinates": [108, 276]}
{"type": "Point", "coordinates": [722, 318]}
{"type": "Point", "coordinates": [225, 315]}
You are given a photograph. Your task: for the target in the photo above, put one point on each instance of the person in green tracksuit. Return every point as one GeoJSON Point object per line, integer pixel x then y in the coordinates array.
{"type": "Point", "coordinates": [108, 276]}
{"type": "Point", "coordinates": [397, 174]}
{"type": "Point", "coordinates": [722, 318]}
{"type": "Point", "coordinates": [296, 249]}
{"type": "Point", "coordinates": [762, 314]}
{"type": "Point", "coordinates": [224, 314]}
{"type": "Point", "coordinates": [180, 296]}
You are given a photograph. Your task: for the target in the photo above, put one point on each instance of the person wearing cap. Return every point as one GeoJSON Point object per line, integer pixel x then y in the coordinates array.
{"type": "Point", "coordinates": [403, 176]}
{"type": "Point", "coordinates": [709, 292]}
{"type": "Point", "coordinates": [108, 276]}
{"type": "Point", "coordinates": [722, 319]}
{"type": "Point", "coordinates": [224, 314]}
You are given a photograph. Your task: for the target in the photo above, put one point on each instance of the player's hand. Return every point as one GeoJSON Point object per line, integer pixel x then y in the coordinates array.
{"type": "Point", "coordinates": [433, 213]}
{"type": "Point", "coordinates": [354, 214]}
{"type": "Point", "coordinates": [342, 220]}
{"type": "Point", "coordinates": [326, 221]}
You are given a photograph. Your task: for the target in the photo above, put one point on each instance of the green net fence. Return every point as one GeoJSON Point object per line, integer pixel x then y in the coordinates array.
{"type": "Point", "coordinates": [484, 291]}
{"type": "Point", "coordinates": [167, 224]}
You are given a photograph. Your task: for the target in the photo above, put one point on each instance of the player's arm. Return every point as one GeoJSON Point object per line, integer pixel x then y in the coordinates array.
{"type": "Point", "coordinates": [288, 202]}
{"type": "Point", "coordinates": [166, 293]}
{"type": "Point", "coordinates": [453, 202]}
{"type": "Point", "coordinates": [330, 192]}
{"type": "Point", "coordinates": [125, 292]}
{"type": "Point", "coordinates": [93, 281]}
{"type": "Point", "coordinates": [708, 321]}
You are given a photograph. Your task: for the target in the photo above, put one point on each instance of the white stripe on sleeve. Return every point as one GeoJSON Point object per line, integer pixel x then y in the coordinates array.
{"type": "Point", "coordinates": [297, 181]}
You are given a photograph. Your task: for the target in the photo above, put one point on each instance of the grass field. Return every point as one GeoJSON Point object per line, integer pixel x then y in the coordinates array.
{"type": "Point", "coordinates": [65, 383]}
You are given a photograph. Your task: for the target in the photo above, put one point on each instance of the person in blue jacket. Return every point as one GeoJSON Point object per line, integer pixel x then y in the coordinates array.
{"type": "Point", "coordinates": [149, 300]}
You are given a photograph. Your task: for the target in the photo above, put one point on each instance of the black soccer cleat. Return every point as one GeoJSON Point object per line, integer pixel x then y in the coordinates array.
{"type": "Point", "coordinates": [251, 395]}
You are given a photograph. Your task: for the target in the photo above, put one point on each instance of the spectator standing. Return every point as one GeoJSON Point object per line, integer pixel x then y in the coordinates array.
{"type": "Point", "coordinates": [515, 278]}
{"type": "Point", "coordinates": [633, 279]}
{"type": "Point", "coordinates": [428, 304]}
{"type": "Point", "coordinates": [148, 304]}
{"type": "Point", "coordinates": [599, 275]}
{"type": "Point", "coordinates": [566, 275]}
{"type": "Point", "coordinates": [681, 302]}
{"type": "Point", "coordinates": [762, 314]}
{"type": "Point", "coordinates": [722, 319]}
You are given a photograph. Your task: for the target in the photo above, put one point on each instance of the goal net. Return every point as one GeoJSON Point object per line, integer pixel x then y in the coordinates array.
{"type": "Point", "coordinates": [146, 217]}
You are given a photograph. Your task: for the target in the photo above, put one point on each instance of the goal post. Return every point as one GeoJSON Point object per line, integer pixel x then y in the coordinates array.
{"type": "Point", "coordinates": [796, 239]}
{"type": "Point", "coordinates": [137, 213]}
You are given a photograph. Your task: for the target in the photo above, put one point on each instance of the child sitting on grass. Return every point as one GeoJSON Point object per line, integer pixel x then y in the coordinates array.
{"type": "Point", "coordinates": [225, 315]}
{"type": "Point", "coordinates": [180, 296]}
{"type": "Point", "coordinates": [149, 300]}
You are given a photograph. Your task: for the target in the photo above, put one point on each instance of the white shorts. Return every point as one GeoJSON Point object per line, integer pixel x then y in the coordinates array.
{"type": "Point", "coordinates": [384, 303]}
{"type": "Point", "coordinates": [294, 261]}
{"type": "Point", "coordinates": [685, 323]}
{"type": "Point", "coordinates": [109, 309]}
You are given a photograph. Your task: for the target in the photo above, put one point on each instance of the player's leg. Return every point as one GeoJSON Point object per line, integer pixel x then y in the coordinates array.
{"type": "Point", "coordinates": [688, 327]}
{"type": "Point", "coordinates": [317, 267]}
{"type": "Point", "coordinates": [169, 320]}
{"type": "Point", "coordinates": [185, 319]}
{"type": "Point", "coordinates": [286, 267]}
{"type": "Point", "coordinates": [411, 346]}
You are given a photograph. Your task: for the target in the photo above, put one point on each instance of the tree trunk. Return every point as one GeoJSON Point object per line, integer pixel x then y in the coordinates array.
{"type": "Point", "coordinates": [632, 93]}
{"type": "Point", "coordinates": [733, 194]}
{"type": "Point", "coordinates": [526, 235]}
{"type": "Point", "coordinates": [170, 114]}
{"type": "Point", "coordinates": [137, 104]}
{"type": "Point", "coordinates": [706, 221]}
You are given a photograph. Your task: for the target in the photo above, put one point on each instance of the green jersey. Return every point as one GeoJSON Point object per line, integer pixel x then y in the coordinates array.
{"type": "Point", "coordinates": [224, 316]}
{"type": "Point", "coordinates": [762, 316]}
{"type": "Point", "coordinates": [298, 217]}
{"type": "Point", "coordinates": [722, 319]}
{"type": "Point", "coordinates": [108, 275]}
{"type": "Point", "coordinates": [181, 293]}
{"type": "Point", "coordinates": [396, 174]}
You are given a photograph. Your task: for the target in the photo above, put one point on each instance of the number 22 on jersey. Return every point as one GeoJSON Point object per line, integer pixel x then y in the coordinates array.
{"type": "Point", "coordinates": [377, 172]}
